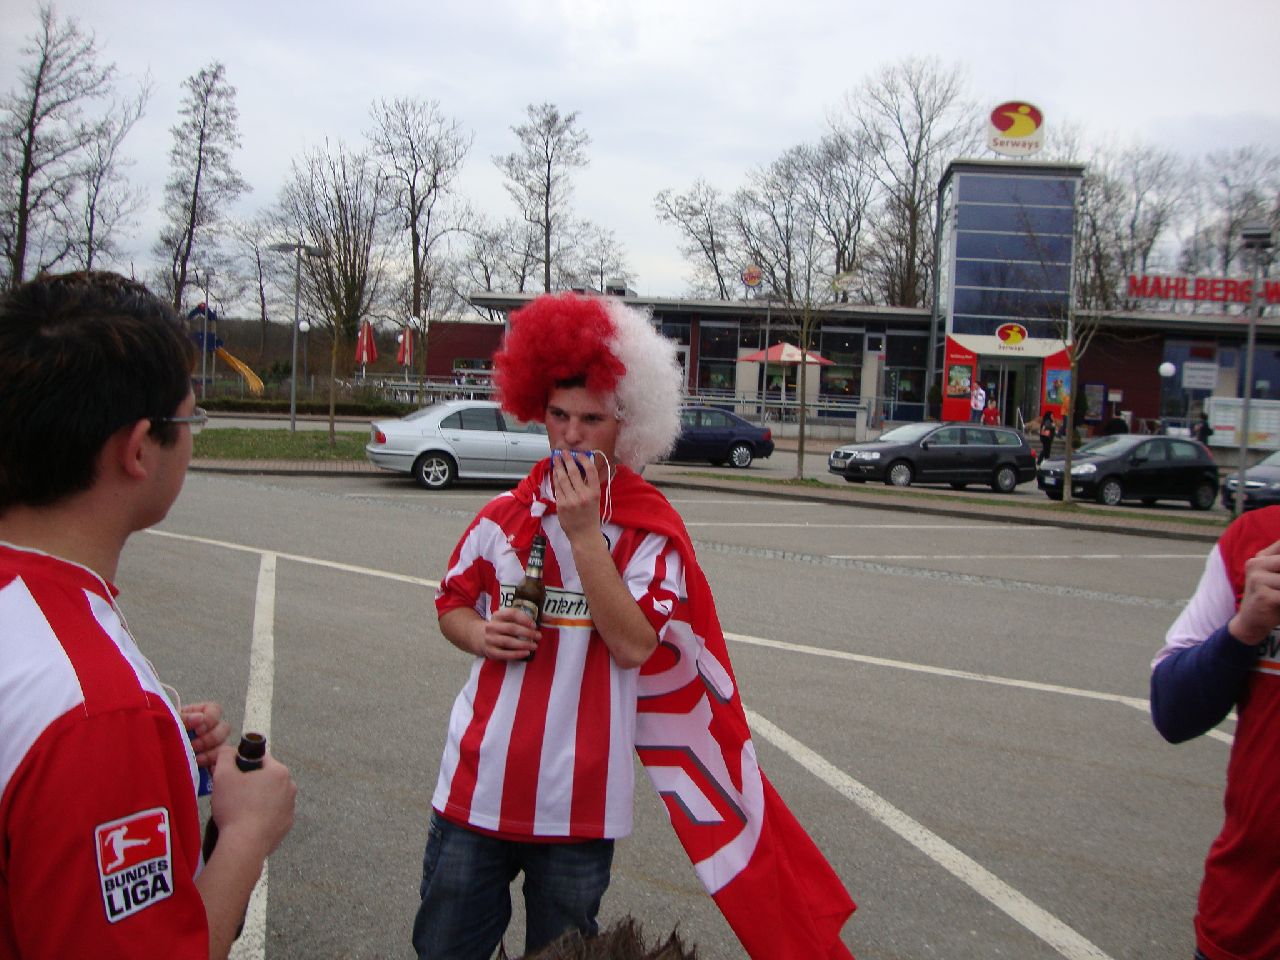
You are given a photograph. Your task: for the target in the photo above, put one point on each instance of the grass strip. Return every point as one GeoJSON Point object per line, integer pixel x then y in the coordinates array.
{"type": "Point", "coordinates": [237, 443]}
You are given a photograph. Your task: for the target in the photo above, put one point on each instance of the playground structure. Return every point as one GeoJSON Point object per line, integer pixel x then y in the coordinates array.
{"type": "Point", "coordinates": [253, 381]}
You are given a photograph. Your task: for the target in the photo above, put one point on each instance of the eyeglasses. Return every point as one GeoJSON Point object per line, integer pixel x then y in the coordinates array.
{"type": "Point", "coordinates": [199, 417]}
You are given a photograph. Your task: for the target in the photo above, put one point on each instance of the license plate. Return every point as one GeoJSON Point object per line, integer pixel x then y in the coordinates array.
{"type": "Point", "coordinates": [1050, 481]}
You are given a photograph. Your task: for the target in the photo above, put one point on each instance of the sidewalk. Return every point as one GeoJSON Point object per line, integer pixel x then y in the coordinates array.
{"type": "Point", "coordinates": [1173, 521]}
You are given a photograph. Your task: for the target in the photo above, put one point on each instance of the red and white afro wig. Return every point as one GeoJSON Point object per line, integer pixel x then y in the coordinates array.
{"type": "Point", "coordinates": [613, 348]}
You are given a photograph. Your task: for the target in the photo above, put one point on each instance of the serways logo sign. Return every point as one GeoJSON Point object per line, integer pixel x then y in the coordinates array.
{"type": "Point", "coordinates": [1016, 129]}
{"type": "Point", "coordinates": [1011, 334]}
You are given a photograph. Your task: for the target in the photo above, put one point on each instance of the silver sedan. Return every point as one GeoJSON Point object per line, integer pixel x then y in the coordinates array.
{"type": "Point", "coordinates": [458, 439]}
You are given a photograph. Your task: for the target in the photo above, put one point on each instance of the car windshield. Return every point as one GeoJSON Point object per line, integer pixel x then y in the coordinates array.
{"type": "Point", "coordinates": [907, 433]}
{"type": "Point", "coordinates": [1106, 446]}
{"type": "Point", "coordinates": [1270, 461]}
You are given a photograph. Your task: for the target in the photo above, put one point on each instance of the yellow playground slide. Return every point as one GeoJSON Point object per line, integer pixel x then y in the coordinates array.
{"type": "Point", "coordinates": [239, 366]}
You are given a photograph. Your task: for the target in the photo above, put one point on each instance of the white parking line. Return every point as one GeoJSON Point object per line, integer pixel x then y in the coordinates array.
{"type": "Point", "coordinates": [937, 671]}
{"type": "Point", "coordinates": [1017, 556]}
{"type": "Point", "coordinates": [252, 944]}
{"type": "Point", "coordinates": [964, 868]}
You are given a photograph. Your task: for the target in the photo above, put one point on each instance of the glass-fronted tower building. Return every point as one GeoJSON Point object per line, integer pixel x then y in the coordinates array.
{"type": "Point", "coordinates": [1005, 248]}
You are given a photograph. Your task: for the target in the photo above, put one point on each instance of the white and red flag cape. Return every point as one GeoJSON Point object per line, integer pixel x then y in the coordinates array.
{"type": "Point", "coordinates": [366, 349]}
{"type": "Point", "coordinates": [782, 898]}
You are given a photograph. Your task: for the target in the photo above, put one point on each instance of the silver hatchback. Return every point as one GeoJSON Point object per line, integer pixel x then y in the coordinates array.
{"type": "Point", "coordinates": [457, 440]}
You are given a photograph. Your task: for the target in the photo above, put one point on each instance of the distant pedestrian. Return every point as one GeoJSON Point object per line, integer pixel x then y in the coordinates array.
{"type": "Point", "coordinates": [1048, 430]}
{"type": "Point", "coordinates": [977, 401]}
{"type": "Point", "coordinates": [991, 415]}
{"type": "Point", "coordinates": [1202, 431]}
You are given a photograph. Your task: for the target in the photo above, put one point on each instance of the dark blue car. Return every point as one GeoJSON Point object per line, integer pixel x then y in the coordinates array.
{"type": "Point", "coordinates": [720, 437]}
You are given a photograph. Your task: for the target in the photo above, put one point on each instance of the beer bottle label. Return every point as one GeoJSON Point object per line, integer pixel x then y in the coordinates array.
{"type": "Point", "coordinates": [529, 607]}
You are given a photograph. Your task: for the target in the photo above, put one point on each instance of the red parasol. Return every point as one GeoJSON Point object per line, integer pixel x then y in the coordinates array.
{"type": "Point", "coordinates": [366, 350]}
{"type": "Point", "coordinates": [404, 356]}
{"type": "Point", "coordinates": [785, 353]}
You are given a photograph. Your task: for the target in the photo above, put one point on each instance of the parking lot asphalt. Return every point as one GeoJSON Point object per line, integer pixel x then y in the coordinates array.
{"type": "Point", "coordinates": [1025, 506]}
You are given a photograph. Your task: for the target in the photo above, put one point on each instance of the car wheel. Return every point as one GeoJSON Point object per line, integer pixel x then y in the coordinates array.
{"type": "Point", "coordinates": [1005, 480]}
{"type": "Point", "coordinates": [741, 455]}
{"type": "Point", "coordinates": [435, 471]}
{"type": "Point", "coordinates": [1204, 496]}
{"type": "Point", "coordinates": [958, 484]}
{"type": "Point", "coordinates": [900, 474]}
{"type": "Point", "coordinates": [1110, 492]}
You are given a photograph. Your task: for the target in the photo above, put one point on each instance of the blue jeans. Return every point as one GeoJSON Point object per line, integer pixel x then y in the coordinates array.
{"type": "Point", "coordinates": [466, 895]}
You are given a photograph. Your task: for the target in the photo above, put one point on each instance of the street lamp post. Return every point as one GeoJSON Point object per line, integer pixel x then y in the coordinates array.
{"type": "Point", "coordinates": [1255, 237]}
{"type": "Point", "coordinates": [298, 249]}
{"type": "Point", "coordinates": [1167, 370]}
{"type": "Point", "coordinates": [204, 336]}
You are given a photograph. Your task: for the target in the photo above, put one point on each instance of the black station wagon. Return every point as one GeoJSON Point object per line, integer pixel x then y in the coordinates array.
{"type": "Point", "coordinates": [958, 454]}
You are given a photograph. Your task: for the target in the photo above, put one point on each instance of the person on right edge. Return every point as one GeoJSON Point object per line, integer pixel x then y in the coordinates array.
{"type": "Point", "coordinates": [1223, 652]}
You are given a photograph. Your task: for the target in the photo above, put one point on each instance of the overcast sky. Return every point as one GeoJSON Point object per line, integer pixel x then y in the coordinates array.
{"type": "Point", "coordinates": [669, 90]}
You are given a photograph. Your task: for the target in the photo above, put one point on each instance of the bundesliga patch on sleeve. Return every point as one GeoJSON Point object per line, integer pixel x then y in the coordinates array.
{"type": "Point", "coordinates": [134, 864]}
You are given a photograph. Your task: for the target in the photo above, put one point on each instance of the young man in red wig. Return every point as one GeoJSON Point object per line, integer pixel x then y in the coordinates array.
{"type": "Point", "coordinates": [537, 775]}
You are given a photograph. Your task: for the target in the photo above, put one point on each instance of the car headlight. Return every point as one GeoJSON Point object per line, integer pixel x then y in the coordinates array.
{"type": "Point", "coordinates": [866, 454]}
{"type": "Point", "coordinates": [1084, 470]}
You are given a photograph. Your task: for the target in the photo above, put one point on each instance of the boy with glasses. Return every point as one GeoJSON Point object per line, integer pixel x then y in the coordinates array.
{"type": "Point", "coordinates": [99, 829]}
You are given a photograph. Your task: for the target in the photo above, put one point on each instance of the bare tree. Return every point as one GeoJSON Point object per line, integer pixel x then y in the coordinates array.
{"type": "Point", "coordinates": [202, 182]}
{"type": "Point", "coordinates": [1232, 187]}
{"type": "Point", "coordinates": [702, 217]}
{"type": "Point", "coordinates": [333, 202]}
{"type": "Point", "coordinates": [43, 135]}
{"type": "Point", "coordinates": [837, 185]}
{"type": "Point", "coordinates": [776, 220]}
{"type": "Point", "coordinates": [551, 147]}
{"type": "Point", "coordinates": [914, 119]}
{"type": "Point", "coordinates": [266, 278]}
{"type": "Point", "coordinates": [420, 152]}
{"type": "Point", "coordinates": [524, 245]}
{"type": "Point", "coordinates": [602, 258]}
{"type": "Point", "coordinates": [106, 200]}
{"type": "Point", "coordinates": [1155, 185]}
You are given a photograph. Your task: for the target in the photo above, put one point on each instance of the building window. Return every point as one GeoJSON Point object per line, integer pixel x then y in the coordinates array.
{"type": "Point", "coordinates": [676, 330]}
{"type": "Point", "coordinates": [844, 349]}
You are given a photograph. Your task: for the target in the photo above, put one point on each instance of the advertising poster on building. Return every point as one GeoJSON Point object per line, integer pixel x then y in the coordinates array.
{"type": "Point", "coordinates": [959, 377]}
{"type": "Point", "coordinates": [1057, 388]}
{"type": "Point", "coordinates": [1094, 401]}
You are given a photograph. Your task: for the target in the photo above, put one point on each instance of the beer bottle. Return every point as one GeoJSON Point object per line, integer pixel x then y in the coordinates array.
{"type": "Point", "coordinates": [253, 747]}
{"type": "Point", "coordinates": [531, 592]}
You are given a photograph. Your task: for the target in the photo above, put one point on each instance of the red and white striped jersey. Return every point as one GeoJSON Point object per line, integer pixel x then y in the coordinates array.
{"type": "Point", "coordinates": [544, 748]}
{"type": "Point", "coordinates": [99, 830]}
